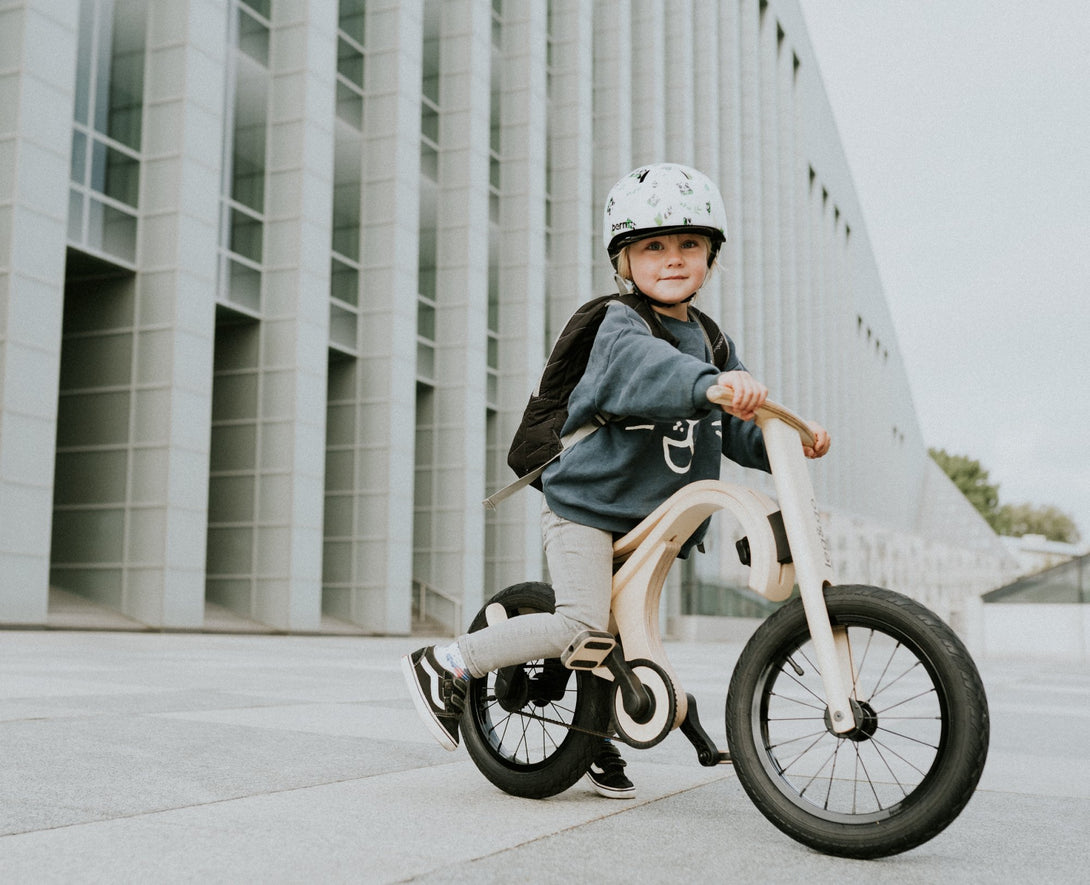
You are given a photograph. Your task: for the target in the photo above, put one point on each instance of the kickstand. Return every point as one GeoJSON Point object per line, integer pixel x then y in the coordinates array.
{"type": "Point", "coordinates": [706, 751]}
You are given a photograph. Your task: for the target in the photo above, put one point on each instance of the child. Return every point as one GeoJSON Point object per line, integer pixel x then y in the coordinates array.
{"type": "Point", "coordinates": [664, 225]}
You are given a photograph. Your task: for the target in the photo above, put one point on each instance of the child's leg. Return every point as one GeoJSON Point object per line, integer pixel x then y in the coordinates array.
{"type": "Point", "coordinates": [581, 567]}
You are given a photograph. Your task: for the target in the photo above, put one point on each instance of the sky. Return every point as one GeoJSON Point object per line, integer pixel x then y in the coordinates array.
{"type": "Point", "coordinates": [966, 125]}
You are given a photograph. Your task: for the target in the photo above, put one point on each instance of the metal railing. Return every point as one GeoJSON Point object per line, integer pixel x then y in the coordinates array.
{"type": "Point", "coordinates": [431, 606]}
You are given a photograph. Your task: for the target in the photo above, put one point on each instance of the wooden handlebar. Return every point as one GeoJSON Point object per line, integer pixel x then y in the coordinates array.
{"type": "Point", "coordinates": [723, 396]}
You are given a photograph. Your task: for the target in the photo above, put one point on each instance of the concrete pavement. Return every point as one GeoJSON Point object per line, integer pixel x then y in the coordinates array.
{"type": "Point", "coordinates": [142, 757]}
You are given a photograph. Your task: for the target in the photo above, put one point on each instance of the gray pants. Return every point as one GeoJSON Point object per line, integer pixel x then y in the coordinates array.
{"type": "Point", "coordinates": [581, 568]}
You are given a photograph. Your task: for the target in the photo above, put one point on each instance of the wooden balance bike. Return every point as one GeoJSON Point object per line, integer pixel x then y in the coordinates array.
{"type": "Point", "coordinates": [856, 719]}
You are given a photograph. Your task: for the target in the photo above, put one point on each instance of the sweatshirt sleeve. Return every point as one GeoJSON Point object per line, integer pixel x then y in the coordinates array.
{"type": "Point", "coordinates": [633, 373]}
{"type": "Point", "coordinates": [744, 443]}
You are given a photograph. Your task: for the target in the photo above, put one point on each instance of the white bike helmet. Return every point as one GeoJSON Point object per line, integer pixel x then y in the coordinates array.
{"type": "Point", "coordinates": [663, 198]}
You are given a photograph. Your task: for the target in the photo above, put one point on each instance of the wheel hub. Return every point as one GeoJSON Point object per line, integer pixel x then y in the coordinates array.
{"type": "Point", "coordinates": [866, 722]}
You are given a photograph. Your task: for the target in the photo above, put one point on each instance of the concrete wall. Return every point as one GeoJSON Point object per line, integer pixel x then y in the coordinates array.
{"type": "Point", "coordinates": [264, 353]}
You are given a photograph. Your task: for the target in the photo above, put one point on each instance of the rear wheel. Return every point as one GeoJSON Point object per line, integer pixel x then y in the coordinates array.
{"type": "Point", "coordinates": [526, 727]}
{"type": "Point", "coordinates": [921, 737]}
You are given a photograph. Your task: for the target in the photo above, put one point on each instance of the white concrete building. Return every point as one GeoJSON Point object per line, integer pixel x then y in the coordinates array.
{"type": "Point", "coordinates": [276, 278]}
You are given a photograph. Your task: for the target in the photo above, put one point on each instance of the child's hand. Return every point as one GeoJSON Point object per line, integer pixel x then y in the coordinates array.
{"type": "Point", "coordinates": [821, 441]}
{"type": "Point", "coordinates": [748, 394]}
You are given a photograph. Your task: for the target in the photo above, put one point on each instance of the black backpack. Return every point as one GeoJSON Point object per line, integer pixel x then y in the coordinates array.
{"type": "Point", "coordinates": [537, 441]}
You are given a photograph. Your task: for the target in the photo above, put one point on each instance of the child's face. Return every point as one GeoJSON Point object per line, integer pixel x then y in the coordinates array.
{"type": "Point", "coordinates": [669, 268]}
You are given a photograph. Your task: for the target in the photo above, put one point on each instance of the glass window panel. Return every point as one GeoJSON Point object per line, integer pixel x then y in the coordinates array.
{"type": "Point", "coordinates": [103, 28]}
{"type": "Point", "coordinates": [429, 123]}
{"type": "Point", "coordinates": [431, 86]}
{"type": "Point", "coordinates": [89, 536]}
{"type": "Point", "coordinates": [429, 161]}
{"type": "Point", "coordinates": [127, 72]}
{"type": "Point", "coordinates": [337, 563]}
{"type": "Point", "coordinates": [344, 282]}
{"type": "Point", "coordinates": [352, 19]}
{"type": "Point", "coordinates": [425, 320]}
{"type": "Point", "coordinates": [246, 235]}
{"type": "Point", "coordinates": [234, 447]}
{"type": "Point", "coordinates": [349, 106]}
{"type": "Point", "coordinates": [342, 326]}
{"type": "Point", "coordinates": [261, 7]}
{"type": "Point", "coordinates": [350, 62]}
{"type": "Point", "coordinates": [493, 299]}
{"type": "Point", "coordinates": [83, 62]}
{"type": "Point", "coordinates": [346, 223]}
{"type": "Point", "coordinates": [231, 499]}
{"type": "Point", "coordinates": [111, 230]}
{"type": "Point", "coordinates": [425, 444]}
{"type": "Point", "coordinates": [245, 286]}
{"type": "Point", "coordinates": [426, 248]}
{"type": "Point", "coordinates": [230, 550]}
{"type": "Point", "coordinates": [426, 282]}
{"type": "Point", "coordinates": [90, 477]}
{"type": "Point", "coordinates": [79, 158]}
{"type": "Point", "coordinates": [425, 361]}
{"type": "Point", "coordinates": [253, 37]}
{"type": "Point", "coordinates": [234, 396]}
{"type": "Point", "coordinates": [430, 74]}
{"type": "Point", "coordinates": [248, 158]}
{"type": "Point", "coordinates": [93, 418]}
{"type": "Point", "coordinates": [115, 174]}
{"type": "Point", "coordinates": [119, 234]}
{"type": "Point", "coordinates": [98, 166]}
{"type": "Point", "coordinates": [75, 216]}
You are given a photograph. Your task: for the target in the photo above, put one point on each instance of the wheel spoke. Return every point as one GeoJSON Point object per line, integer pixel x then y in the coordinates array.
{"type": "Point", "coordinates": [916, 751]}
{"type": "Point", "coordinates": [797, 730]}
{"type": "Point", "coordinates": [820, 706]}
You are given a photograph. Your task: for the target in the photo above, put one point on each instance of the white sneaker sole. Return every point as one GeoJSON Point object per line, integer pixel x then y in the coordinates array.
{"type": "Point", "coordinates": [423, 708]}
{"type": "Point", "coordinates": [608, 792]}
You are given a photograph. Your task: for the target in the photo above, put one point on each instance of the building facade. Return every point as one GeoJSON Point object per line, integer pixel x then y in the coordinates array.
{"type": "Point", "coordinates": [277, 277]}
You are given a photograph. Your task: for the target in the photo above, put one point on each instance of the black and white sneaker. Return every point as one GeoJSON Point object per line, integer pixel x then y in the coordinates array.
{"type": "Point", "coordinates": [606, 774]}
{"type": "Point", "coordinates": [438, 695]}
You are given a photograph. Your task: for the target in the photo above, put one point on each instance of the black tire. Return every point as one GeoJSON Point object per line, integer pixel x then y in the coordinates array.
{"type": "Point", "coordinates": [504, 727]}
{"type": "Point", "coordinates": [893, 783]}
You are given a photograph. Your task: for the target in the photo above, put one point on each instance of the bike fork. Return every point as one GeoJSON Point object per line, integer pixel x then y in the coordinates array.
{"type": "Point", "coordinates": [813, 567]}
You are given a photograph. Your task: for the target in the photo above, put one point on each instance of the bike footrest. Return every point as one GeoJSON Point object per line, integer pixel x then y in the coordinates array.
{"type": "Point", "coordinates": [588, 650]}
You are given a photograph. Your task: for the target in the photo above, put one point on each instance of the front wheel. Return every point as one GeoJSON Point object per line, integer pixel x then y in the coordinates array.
{"type": "Point", "coordinates": [533, 729]}
{"type": "Point", "coordinates": [913, 760]}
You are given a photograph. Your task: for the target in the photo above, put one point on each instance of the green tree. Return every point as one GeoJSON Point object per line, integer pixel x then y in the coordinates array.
{"type": "Point", "coordinates": [972, 479]}
{"type": "Point", "coordinates": [1014, 520]}
{"type": "Point", "coordinates": [1026, 519]}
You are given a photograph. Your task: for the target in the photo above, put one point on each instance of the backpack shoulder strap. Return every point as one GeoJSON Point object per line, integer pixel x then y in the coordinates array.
{"type": "Point", "coordinates": [587, 318]}
{"type": "Point", "coordinates": [567, 442]}
{"type": "Point", "coordinates": [718, 343]}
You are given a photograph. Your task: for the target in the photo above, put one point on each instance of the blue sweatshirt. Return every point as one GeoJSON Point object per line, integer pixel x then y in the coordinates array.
{"type": "Point", "coordinates": [670, 434]}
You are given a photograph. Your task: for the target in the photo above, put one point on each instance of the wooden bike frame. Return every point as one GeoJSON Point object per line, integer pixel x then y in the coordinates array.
{"type": "Point", "coordinates": [649, 550]}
